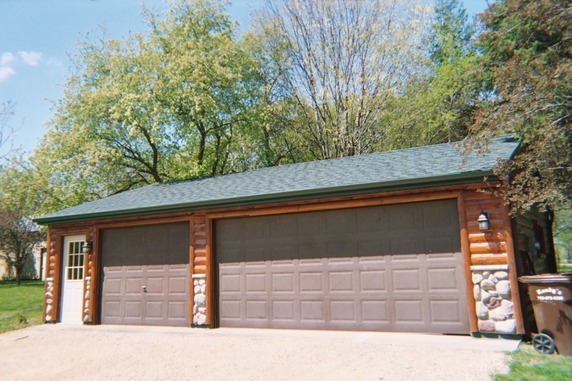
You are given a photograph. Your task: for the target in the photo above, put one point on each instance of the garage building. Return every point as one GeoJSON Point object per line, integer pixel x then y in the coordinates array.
{"type": "Point", "coordinates": [387, 241]}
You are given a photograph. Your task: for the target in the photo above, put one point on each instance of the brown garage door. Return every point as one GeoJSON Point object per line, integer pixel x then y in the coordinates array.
{"type": "Point", "coordinates": [386, 268]}
{"type": "Point", "coordinates": [146, 275]}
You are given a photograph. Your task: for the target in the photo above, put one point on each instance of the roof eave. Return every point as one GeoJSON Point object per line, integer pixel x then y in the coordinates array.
{"type": "Point", "coordinates": [417, 183]}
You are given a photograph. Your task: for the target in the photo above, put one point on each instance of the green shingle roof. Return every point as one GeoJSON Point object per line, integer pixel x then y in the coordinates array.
{"type": "Point", "coordinates": [440, 164]}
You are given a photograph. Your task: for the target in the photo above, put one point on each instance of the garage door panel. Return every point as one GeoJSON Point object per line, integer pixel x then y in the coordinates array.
{"type": "Point", "coordinates": [436, 244]}
{"type": "Point", "coordinates": [256, 309]}
{"type": "Point", "coordinates": [340, 250]}
{"type": "Point", "coordinates": [375, 311]}
{"type": "Point", "coordinates": [154, 310]}
{"type": "Point", "coordinates": [311, 253]}
{"type": "Point", "coordinates": [281, 253]}
{"type": "Point", "coordinates": [371, 221]}
{"type": "Point", "coordinates": [341, 281]}
{"type": "Point", "coordinates": [230, 283]}
{"type": "Point", "coordinates": [310, 228]}
{"type": "Point", "coordinates": [283, 310]}
{"type": "Point", "coordinates": [154, 285]}
{"type": "Point", "coordinates": [445, 311]}
{"type": "Point", "coordinates": [256, 283]}
{"type": "Point", "coordinates": [113, 308]}
{"type": "Point", "coordinates": [342, 311]}
{"type": "Point", "coordinates": [255, 254]}
{"type": "Point", "coordinates": [406, 280]}
{"type": "Point", "coordinates": [408, 247]}
{"type": "Point", "coordinates": [133, 309]}
{"type": "Point", "coordinates": [372, 280]}
{"type": "Point", "coordinates": [283, 228]}
{"type": "Point", "coordinates": [230, 310]}
{"type": "Point", "coordinates": [311, 282]}
{"type": "Point", "coordinates": [113, 286]}
{"type": "Point", "coordinates": [312, 310]}
{"type": "Point", "coordinates": [178, 285]}
{"type": "Point", "coordinates": [282, 282]}
{"type": "Point", "coordinates": [146, 275]}
{"type": "Point", "coordinates": [366, 276]}
{"type": "Point", "coordinates": [442, 279]}
{"type": "Point", "coordinates": [177, 310]}
{"type": "Point", "coordinates": [339, 224]}
{"type": "Point", "coordinates": [401, 220]}
{"type": "Point", "coordinates": [408, 311]}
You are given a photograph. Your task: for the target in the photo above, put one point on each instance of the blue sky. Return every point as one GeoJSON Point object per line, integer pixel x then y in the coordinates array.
{"type": "Point", "coordinates": [37, 37]}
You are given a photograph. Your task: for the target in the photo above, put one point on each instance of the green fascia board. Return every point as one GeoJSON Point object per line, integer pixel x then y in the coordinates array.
{"type": "Point", "coordinates": [385, 186]}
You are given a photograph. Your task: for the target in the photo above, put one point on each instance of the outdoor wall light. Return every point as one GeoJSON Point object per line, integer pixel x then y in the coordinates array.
{"type": "Point", "coordinates": [483, 221]}
{"type": "Point", "coordinates": [87, 247]}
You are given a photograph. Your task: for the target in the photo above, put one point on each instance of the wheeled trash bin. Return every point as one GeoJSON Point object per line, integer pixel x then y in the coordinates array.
{"type": "Point", "coordinates": [551, 297]}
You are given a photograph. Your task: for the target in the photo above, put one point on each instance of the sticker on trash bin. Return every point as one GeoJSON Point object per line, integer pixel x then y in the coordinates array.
{"type": "Point", "coordinates": [549, 294]}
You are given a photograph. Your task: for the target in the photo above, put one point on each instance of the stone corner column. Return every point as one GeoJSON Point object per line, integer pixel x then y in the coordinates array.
{"type": "Point", "coordinates": [199, 301]}
{"type": "Point", "coordinates": [494, 307]}
{"type": "Point", "coordinates": [86, 301]}
{"type": "Point", "coordinates": [49, 313]}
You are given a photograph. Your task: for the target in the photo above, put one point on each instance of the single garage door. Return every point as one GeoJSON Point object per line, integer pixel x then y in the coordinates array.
{"type": "Point", "coordinates": [146, 275]}
{"type": "Point", "coordinates": [385, 268]}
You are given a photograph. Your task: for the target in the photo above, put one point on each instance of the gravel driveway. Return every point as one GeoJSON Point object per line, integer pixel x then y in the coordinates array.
{"type": "Point", "coordinates": [60, 352]}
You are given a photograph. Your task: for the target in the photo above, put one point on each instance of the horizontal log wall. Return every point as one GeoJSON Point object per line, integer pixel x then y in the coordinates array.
{"type": "Point", "coordinates": [489, 247]}
{"type": "Point", "coordinates": [199, 245]}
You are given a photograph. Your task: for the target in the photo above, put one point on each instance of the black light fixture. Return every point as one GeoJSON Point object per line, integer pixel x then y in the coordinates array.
{"type": "Point", "coordinates": [483, 221]}
{"type": "Point", "coordinates": [87, 247]}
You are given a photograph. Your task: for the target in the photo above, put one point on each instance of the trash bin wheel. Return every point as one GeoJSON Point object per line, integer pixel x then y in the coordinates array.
{"type": "Point", "coordinates": [543, 343]}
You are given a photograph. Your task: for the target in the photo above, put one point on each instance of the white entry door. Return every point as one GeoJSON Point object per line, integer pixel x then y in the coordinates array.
{"type": "Point", "coordinates": [72, 279]}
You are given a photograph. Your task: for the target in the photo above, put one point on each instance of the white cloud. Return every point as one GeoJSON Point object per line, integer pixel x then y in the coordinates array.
{"type": "Point", "coordinates": [7, 58]}
{"type": "Point", "coordinates": [10, 61]}
{"type": "Point", "coordinates": [30, 58]}
{"type": "Point", "coordinates": [6, 72]}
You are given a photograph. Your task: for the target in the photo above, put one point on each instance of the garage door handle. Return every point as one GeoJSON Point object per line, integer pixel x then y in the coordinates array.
{"type": "Point", "coordinates": [144, 288]}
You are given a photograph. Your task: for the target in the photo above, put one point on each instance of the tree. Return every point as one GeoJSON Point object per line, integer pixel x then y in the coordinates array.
{"type": "Point", "coordinates": [527, 59]}
{"type": "Point", "coordinates": [340, 61]}
{"type": "Point", "coordinates": [438, 105]}
{"type": "Point", "coordinates": [175, 103]}
{"type": "Point", "coordinates": [18, 236]}
{"type": "Point", "coordinates": [563, 235]}
{"type": "Point", "coordinates": [18, 233]}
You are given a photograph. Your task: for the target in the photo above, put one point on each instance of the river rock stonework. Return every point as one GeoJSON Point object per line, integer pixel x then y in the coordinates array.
{"type": "Point", "coordinates": [49, 297]}
{"type": "Point", "coordinates": [86, 296]}
{"type": "Point", "coordinates": [200, 299]}
{"type": "Point", "coordinates": [494, 307]}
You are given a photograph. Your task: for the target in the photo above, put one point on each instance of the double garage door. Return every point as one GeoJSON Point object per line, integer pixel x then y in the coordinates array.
{"type": "Point", "coordinates": [385, 268]}
{"type": "Point", "coordinates": [146, 275]}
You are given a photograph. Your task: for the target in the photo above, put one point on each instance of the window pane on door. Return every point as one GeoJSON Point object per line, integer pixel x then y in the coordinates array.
{"type": "Point", "coordinates": [75, 261]}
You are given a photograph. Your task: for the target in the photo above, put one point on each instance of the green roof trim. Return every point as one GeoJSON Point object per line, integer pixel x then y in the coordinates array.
{"type": "Point", "coordinates": [414, 168]}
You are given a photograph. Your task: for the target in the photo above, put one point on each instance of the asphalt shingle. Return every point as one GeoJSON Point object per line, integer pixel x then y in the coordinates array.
{"type": "Point", "coordinates": [409, 168]}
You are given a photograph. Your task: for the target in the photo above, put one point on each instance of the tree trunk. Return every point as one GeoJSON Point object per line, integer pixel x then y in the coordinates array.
{"type": "Point", "coordinates": [18, 271]}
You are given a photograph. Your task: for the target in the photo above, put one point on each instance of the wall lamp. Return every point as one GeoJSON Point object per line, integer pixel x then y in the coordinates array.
{"type": "Point", "coordinates": [87, 247]}
{"type": "Point", "coordinates": [483, 221]}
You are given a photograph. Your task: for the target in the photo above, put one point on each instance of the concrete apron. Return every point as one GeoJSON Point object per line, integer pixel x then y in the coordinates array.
{"type": "Point", "coordinates": [400, 339]}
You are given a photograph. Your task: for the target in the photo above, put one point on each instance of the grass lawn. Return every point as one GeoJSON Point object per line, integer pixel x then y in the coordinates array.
{"type": "Point", "coordinates": [527, 364]}
{"type": "Point", "coordinates": [20, 306]}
